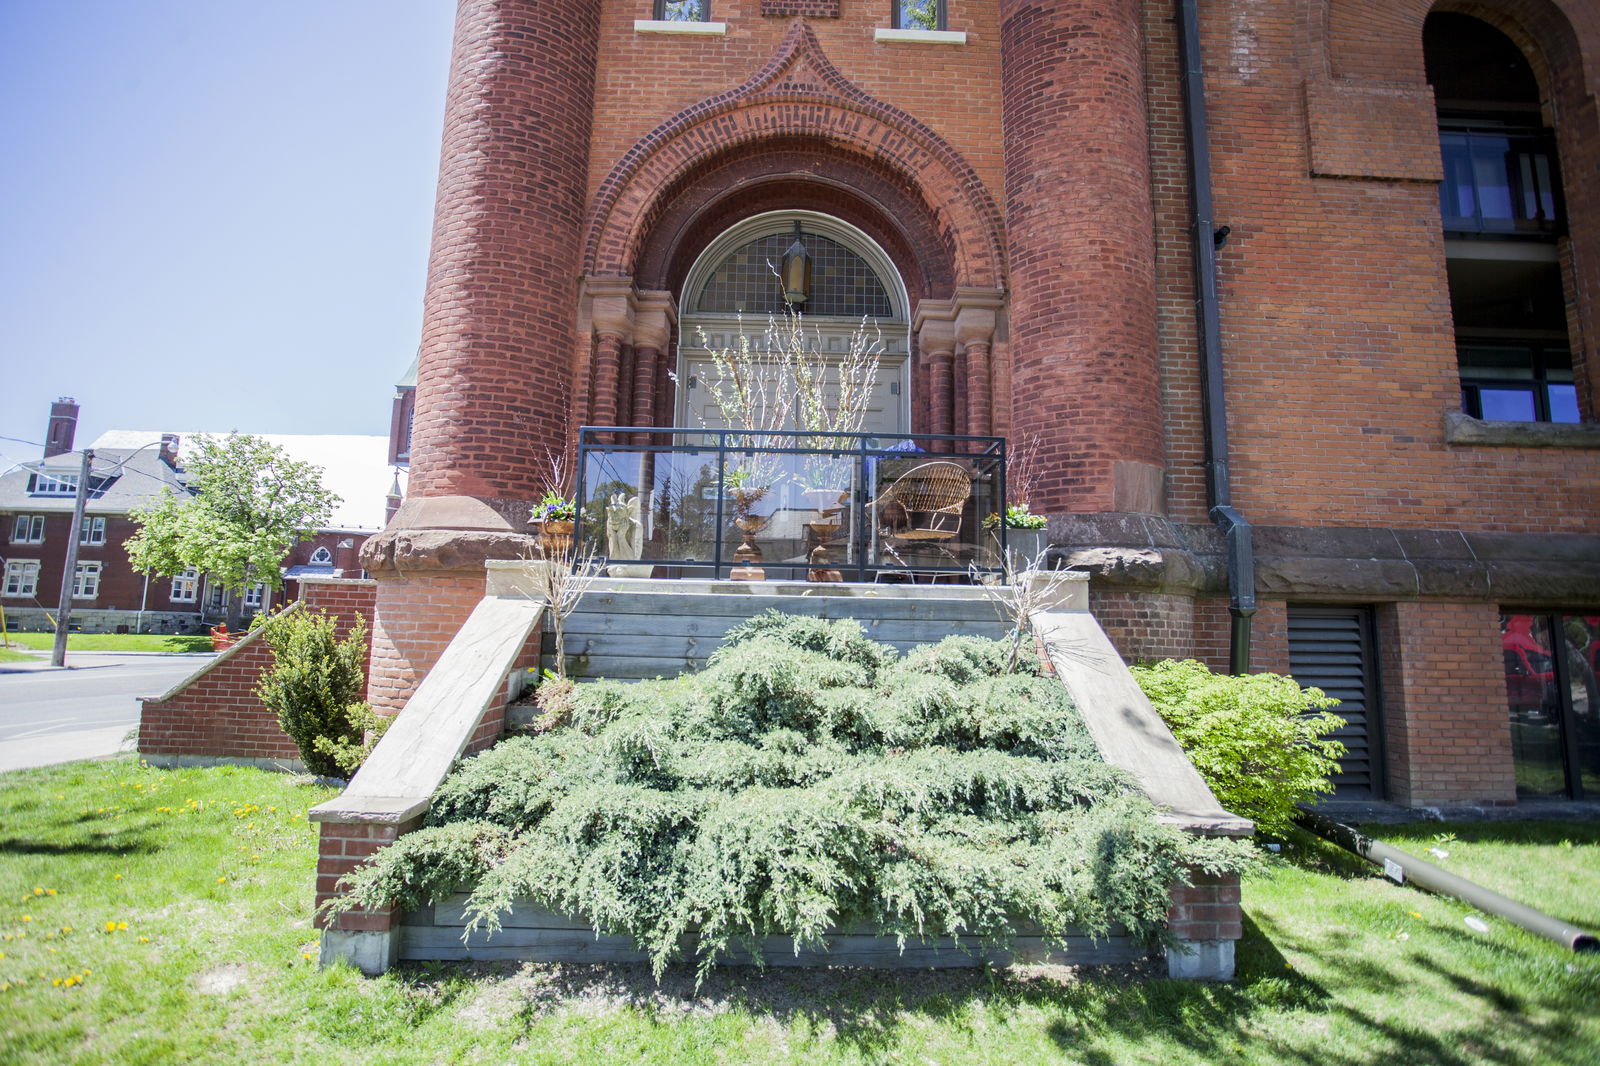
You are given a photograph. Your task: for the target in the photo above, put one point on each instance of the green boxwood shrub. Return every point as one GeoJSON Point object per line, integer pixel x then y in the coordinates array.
{"type": "Point", "coordinates": [315, 687]}
{"type": "Point", "coordinates": [1259, 740]}
{"type": "Point", "coordinates": [808, 778]}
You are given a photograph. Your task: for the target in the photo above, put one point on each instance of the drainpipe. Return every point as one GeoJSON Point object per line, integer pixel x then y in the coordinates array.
{"type": "Point", "coordinates": [1214, 406]}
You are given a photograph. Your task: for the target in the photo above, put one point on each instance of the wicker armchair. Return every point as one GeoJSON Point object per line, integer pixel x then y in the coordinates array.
{"type": "Point", "coordinates": [922, 505]}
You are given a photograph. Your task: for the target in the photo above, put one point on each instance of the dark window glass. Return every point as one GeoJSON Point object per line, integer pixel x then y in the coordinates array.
{"type": "Point", "coordinates": [1517, 382]}
{"type": "Point", "coordinates": [1563, 403]}
{"type": "Point", "coordinates": [918, 14]}
{"type": "Point", "coordinates": [1498, 181]}
{"type": "Point", "coordinates": [1535, 708]}
{"type": "Point", "coordinates": [683, 10]}
{"type": "Point", "coordinates": [1550, 669]}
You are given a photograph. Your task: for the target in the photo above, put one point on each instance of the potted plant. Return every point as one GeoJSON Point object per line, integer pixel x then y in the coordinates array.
{"type": "Point", "coordinates": [1024, 531]}
{"type": "Point", "coordinates": [556, 516]}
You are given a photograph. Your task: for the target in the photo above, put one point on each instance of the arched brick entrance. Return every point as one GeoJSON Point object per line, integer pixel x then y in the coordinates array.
{"type": "Point", "coordinates": [796, 136]}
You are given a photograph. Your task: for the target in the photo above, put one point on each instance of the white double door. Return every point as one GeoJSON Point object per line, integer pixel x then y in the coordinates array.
{"type": "Point", "coordinates": [888, 406]}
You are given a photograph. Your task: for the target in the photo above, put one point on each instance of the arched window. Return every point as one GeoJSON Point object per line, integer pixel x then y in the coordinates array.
{"type": "Point", "coordinates": [736, 283]}
{"type": "Point", "coordinates": [322, 557]}
{"type": "Point", "coordinates": [842, 282]}
{"type": "Point", "coordinates": [1501, 206]}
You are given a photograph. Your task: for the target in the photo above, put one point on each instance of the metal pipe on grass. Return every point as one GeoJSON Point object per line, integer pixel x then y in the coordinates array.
{"type": "Point", "coordinates": [1403, 867]}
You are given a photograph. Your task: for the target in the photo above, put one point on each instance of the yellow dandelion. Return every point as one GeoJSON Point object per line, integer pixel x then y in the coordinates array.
{"type": "Point", "coordinates": [122, 925]}
{"type": "Point", "coordinates": [27, 917]}
{"type": "Point", "coordinates": [56, 982]}
{"type": "Point", "coordinates": [1416, 914]}
{"type": "Point", "coordinates": [111, 927]}
{"type": "Point", "coordinates": [69, 982]}
{"type": "Point", "coordinates": [116, 877]}
{"type": "Point", "coordinates": [38, 892]}
{"type": "Point", "coordinates": [49, 891]}
{"type": "Point", "coordinates": [222, 880]}
{"type": "Point", "coordinates": [144, 940]}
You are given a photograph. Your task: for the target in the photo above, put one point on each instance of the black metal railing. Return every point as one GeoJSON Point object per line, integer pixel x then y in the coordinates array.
{"type": "Point", "coordinates": [677, 502]}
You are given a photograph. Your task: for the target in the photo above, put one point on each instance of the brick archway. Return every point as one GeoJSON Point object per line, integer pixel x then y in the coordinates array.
{"type": "Point", "coordinates": [792, 177]}
{"type": "Point", "coordinates": [798, 98]}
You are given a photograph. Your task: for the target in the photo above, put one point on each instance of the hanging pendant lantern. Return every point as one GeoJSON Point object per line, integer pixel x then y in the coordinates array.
{"type": "Point", "coordinates": [796, 271]}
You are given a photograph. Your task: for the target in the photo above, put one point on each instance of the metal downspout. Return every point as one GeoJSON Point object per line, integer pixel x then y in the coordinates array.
{"type": "Point", "coordinates": [1214, 407]}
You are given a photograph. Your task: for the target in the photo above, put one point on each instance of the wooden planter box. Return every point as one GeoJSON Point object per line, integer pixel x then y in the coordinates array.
{"type": "Point", "coordinates": [530, 934]}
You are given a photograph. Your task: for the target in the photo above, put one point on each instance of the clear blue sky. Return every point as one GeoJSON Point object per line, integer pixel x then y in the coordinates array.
{"type": "Point", "coordinates": [214, 214]}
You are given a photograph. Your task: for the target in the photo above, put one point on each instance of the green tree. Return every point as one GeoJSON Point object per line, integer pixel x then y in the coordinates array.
{"type": "Point", "coordinates": [248, 504]}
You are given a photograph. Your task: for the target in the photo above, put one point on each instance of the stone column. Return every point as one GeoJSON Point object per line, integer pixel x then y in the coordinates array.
{"type": "Point", "coordinates": [1081, 250]}
{"type": "Point", "coordinates": [935, 328]}
{"type": "Point", "coordinates": [493, 382]}
{"type": "Point", "coordinates": [611, 311]}
{"type": "Point", "coordinates": [652, 337]}
{"type": "Point", "coordinates": [975, 315]}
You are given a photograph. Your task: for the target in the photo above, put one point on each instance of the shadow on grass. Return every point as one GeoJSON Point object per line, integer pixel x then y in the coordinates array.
{"type": "Point", "coordinates": [87, 834]}
{"type": "Point", "coordinates": [1360, 1006]}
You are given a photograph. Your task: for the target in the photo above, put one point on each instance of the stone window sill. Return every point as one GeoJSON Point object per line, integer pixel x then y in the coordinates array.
{"type": "Point", "coordinates": [1462, 428]}
{"type": "Point", "coordinates": [920, 36]}
{"type": "Point", "coordinates": [690, 29]}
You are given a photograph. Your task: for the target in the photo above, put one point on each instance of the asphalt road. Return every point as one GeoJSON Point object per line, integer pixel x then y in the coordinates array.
{"type": "Point", "coordinates": [81, 711]}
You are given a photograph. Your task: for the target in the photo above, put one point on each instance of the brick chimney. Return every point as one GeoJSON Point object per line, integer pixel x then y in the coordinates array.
{"type": "Point", "coordinates": [63, 427]}
{"type": "Point", "coordinates": [169, 449]}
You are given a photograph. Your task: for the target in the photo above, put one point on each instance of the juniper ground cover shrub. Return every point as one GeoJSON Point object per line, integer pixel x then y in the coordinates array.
{"type": "Point", "coordinates": [808, 778]}
{"type": "Point", "coordinates": [1260, 740]}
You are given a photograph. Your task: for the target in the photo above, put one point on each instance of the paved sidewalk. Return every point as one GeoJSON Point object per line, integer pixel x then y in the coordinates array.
{"type": "Point", "coordinates": [84, 710]}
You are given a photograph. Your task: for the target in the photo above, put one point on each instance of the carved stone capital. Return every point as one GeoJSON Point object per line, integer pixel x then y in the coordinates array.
{"type": "Point", "coordinates": [654, 316]}
{"type": "Point", "coordinates": [449, 533]}
{"type": "Point", "coordinates": [397, 551]}
{"type": "Point", "coordinates": [609, 305]}
{"type": "Point", "coordinates": [976, 313]}
{"type": "Point", "coordinates": [935, 327]}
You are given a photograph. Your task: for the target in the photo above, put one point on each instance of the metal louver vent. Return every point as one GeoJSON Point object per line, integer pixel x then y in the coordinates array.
{"type": "Point", "coordinates": [1331, 649]}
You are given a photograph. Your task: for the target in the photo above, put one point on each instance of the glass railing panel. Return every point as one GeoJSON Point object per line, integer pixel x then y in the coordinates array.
{"type": "Point", "coordinates": [704, 502]}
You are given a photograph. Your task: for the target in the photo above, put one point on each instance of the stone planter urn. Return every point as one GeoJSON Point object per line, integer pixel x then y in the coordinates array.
{"type": "Point", "coordinates": [555, 537]}
{"type": "Point", "coordinates": [1025, 544]}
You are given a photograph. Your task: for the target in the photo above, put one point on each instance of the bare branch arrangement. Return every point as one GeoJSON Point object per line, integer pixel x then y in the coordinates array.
{"type": "Point", "coordinates": [1020, 594]}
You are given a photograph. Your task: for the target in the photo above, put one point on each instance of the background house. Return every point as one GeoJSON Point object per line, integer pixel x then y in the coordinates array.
{"type": "Point", "coordinates": [132, 468]}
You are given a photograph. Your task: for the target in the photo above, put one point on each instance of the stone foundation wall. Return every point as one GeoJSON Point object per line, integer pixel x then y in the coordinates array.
{"type": "Point", "coordinates": [39, 620]}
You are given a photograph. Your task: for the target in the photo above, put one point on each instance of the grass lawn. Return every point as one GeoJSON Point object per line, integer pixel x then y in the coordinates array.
{"type": "Point", "coordinates": [211, 871]}
{"type": "Point", "coordinates": [168, 642]}
{"type": "Point", "coordinates": [8, 655]}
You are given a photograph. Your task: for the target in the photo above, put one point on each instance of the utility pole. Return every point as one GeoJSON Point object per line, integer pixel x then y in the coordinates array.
{"type": "Point", "coordinates": [64, 610]}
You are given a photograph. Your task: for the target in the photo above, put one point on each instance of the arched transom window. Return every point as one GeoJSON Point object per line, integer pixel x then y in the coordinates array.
{"type": "Point", "coordinates": [842, 283]}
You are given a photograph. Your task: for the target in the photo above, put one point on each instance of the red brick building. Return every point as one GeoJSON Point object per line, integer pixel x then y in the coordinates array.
{"type": "Point", "coordinates": [132, 469]}
{"type": "Point", "coordinates": [1298, 300]}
